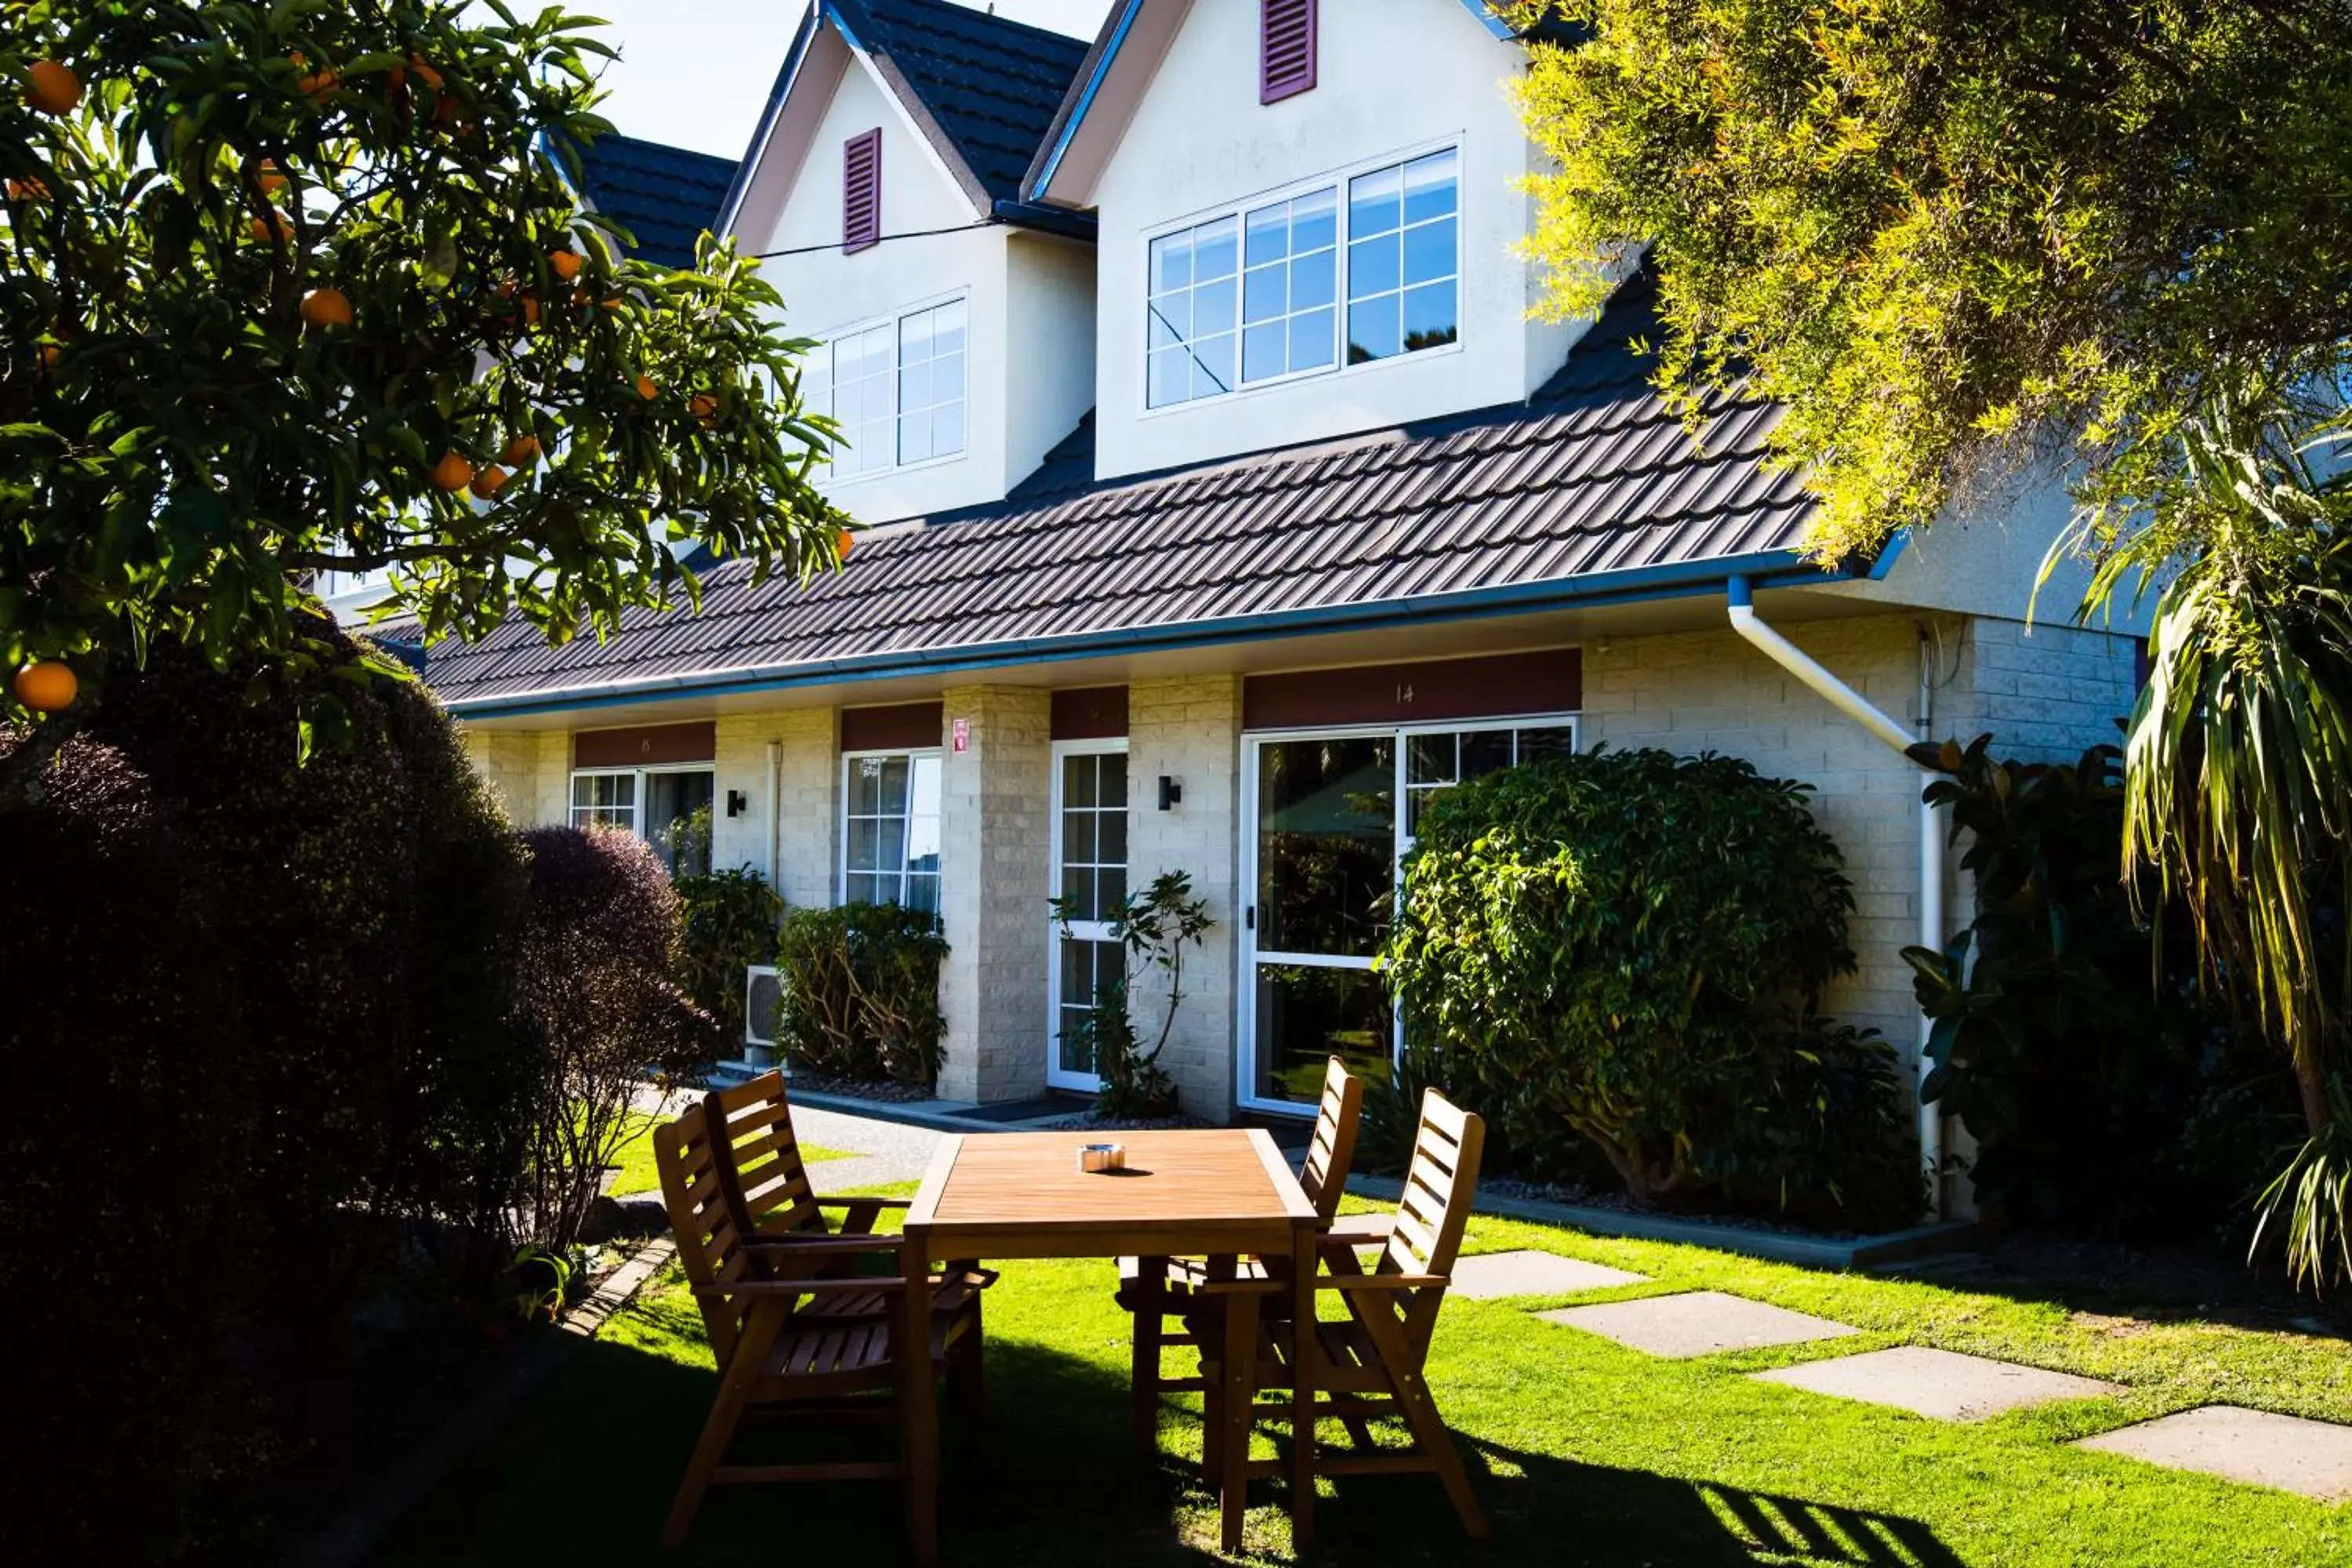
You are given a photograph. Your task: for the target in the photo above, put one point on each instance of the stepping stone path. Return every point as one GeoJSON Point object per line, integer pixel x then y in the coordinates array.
{"type": "Point", "coordinates": [2259, 1448]}
{"type": "Point", "coordinates": [1696, 1323]}
{"type": "Point", "coordinates": [1940, 1383]}
{"type": "Point", "coordinates": [1488, 1275]}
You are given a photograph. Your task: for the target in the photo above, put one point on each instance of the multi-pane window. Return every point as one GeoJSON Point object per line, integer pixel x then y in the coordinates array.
{"type": "Point", "coordinates": [604, 800]}
{"type": "Point", "coordinates": [930, 382]}
{"type": "Point", "coordinates": [896, 388]}
{"type": "Point", "coordinates": [1090, 842]}
{"type": "Point", "coordinates": [1433, 763]}
{"type": "Point", "coordinates": [1404, 257]}
{"type": "Point", "coordinates": [1289, 281]}
{"type": "Point", "coordinates": [1263, 293]}
{"type": "Point", "coordinates": [1192, 311]}
{"type": "Point", "coordinates": [891, 838]}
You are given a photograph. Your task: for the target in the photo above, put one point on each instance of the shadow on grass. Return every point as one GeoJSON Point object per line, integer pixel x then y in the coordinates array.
{"type": "Point", "coordinates": [1052, 1476]}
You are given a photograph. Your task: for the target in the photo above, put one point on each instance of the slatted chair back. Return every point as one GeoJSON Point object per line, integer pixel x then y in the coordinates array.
{"type": "Point", "coordinates": [1332, 1149]}
{"type": "Point", "coordinates": [1434, 1210]}
{"type": "Point", "coordinates": [762, 1178]}
{"type": "Point", "coordinates": [709, 1242]}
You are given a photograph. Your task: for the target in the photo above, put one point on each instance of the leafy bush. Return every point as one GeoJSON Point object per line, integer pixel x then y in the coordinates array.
{"type": "Point", "coordinates": [2072, 1040]}
{"type": "Point", "coordinates": [598, 951]}
{"type": "Point", "coordinates": [1152, 929]}
{"type": "Point", "coordinates": [727, 923]}
{"type": "Point", "coordinates": [860, 991]}
{"type": "Point", "coordinates": [267, 1013]}
{"type": "Point", "coordinates": [1630, 946]}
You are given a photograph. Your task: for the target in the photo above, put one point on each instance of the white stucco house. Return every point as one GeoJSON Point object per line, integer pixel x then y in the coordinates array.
{"type": "Point", "coordinates": [1225, 498]}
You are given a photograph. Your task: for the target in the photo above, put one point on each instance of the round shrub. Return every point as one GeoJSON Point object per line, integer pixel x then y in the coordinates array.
{"type": "Point", "coordinates": [264, 1010]}
{"type": "Point", "coordinates": [860, 991]}
{"type": "Point", "coordinates": [598, 956]}
{"type": "Point", "coordinates": [1627, 947]}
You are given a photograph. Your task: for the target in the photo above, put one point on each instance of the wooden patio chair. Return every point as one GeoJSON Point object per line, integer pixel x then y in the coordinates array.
{"type": "Point", "coordinates": [1371, 1363]}
{"type": "Point", "coordinates": [765, 1183]}
{"type": "Point", "coordinates": [1155, 1290]}
{"type": "Point", "coordinates": [774, 1355]}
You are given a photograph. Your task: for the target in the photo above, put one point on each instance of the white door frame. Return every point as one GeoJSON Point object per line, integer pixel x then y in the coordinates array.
{"type": "Point", "coordinates": [1245, 980]}
{"type": "Point", "coordinates": [1057, 1075]}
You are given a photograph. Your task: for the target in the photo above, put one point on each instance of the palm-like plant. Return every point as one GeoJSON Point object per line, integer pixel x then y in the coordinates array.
{"type": "Point", "coordinates": [2238, 768]}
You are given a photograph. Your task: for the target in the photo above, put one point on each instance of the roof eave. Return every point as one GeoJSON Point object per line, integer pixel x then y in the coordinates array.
{"type": "Point", "coordinates": [856, 24]}
{"type": "Point", "coordinates": [1668, 580]}
{"type": "Point", "coordinates": [732, 208]}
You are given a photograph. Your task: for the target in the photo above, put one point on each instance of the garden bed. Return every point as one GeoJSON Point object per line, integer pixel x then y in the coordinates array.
{"type": "Point", "coordinates": [881, 1090]}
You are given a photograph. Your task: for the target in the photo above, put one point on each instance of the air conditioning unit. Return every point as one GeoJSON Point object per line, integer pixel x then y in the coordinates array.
{"type": "Point", "coordinates": [762, 991]}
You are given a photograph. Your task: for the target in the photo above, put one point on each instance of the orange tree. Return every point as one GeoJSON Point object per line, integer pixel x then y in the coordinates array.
{"type": "Point", "coordinates": [308, 285]}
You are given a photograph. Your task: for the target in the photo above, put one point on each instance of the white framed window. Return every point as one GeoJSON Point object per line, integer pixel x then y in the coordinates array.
{"type": "Point", "coordinates": [1191, 312]}
{"type": "Point", "coordinates": [1405, 257]}
{"type": "Point", "coordinates": [1362, 266]}
{"type": "Point", "coordinates": [1089, 868]}
{"type": "Point", "coordinates": [930, 382]}
{"type": "Point", "coordinates": [895, 387]}
{"type": "Point", "coordinates": [891, 828]}
{"type": "Point", "coordinates": [668, 808]}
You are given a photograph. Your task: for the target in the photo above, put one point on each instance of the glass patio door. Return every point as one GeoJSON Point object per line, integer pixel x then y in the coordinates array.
{"type": "Point", "coordinates": [1324, 842]}
{"type": "Point", "coordinates": [1090, 876]}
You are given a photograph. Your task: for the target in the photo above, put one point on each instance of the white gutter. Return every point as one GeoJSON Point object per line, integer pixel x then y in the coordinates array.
{"type": "Point", "coordinates": [1933, 831]}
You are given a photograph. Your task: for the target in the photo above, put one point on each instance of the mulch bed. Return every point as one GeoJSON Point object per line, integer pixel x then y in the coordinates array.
{"type": "Point", "coordinates": [884, 1091]}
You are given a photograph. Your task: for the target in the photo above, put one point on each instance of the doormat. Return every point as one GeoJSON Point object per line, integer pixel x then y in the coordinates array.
{"type": "Point", "coordinates": [1021, 1109]}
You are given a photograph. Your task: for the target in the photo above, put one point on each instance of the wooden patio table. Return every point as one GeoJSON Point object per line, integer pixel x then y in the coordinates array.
{"type": "Point", "coordinates": [1215, 1193]}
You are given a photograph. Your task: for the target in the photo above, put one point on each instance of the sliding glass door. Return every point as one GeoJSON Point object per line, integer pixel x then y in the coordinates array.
{"type": "Point", "coordinates": [1329, 817]}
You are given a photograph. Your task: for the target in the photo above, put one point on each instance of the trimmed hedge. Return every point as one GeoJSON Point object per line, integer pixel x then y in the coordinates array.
{"type": "Point", "coordinates": [1629, 948]}
{"type": "Point", "coordinates": [860, 991]}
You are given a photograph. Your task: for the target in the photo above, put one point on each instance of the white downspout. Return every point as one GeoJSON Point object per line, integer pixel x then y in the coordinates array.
{"type": "Point", "coordinates": [775, 804]}
{"type": "Point", "coordinates": [1855, 706]}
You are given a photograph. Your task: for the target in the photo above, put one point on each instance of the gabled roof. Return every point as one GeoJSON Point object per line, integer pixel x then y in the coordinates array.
{"type": "Point", "coordinates": [981, 90]}
{"type": "Point", "coordinates": [665, 196]}
{"type": "Point", "coordinates": [1590, 492]}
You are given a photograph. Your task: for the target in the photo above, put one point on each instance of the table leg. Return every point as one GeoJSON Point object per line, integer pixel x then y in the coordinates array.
{"type": "Point", "coordinates": [1150, 1315]}
{"type": "Point", "coordinates": [1305, 1351]}
{"type": "Point", "coordinates": [919, 1413]}
{"type": "Point", "coordinates": [1240, 1404]}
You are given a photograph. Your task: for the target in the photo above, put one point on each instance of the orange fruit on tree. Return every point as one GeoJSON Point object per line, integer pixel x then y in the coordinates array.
{"type": "Point", "coordinates": [452, 473]}
{"type": "Point", "coordinates": [489, 481]}
{"type": "Point", "coordinates": [841, 543]}
{"type": "Point", "coordinates": [274, 228]}
{"type": "Point", "coordinates": [564, 264]}
{"type": "Point", "coordinates": [531, 310]}
{"type": "Point", "coordinates": [425, 73]}
{"type": "Point", "coordinates": [521, 452]}
{"type": "Point", "coordinates": [52, 88]}
{"type": "Point", "coordinates": [49, 356]}
{"type": "Point", "coordinates": [270, 177]}
{"type": "Point", "coordinates": [704, 407]}
{"type": "Point", "coordinates": [311, 83]}
{"type": "Point", "coordinates": [646, 388]}
{"type": "Point", "coordinates": [28, 190]}
{"type": "Point", "coordinates": [47, 685]}
{"type": "Point", "coordinates": [327, 308]}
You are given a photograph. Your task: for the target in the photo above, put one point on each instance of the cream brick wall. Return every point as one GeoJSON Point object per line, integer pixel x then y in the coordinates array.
{"type": "Point", "coordinates": [2046, 692]}
{"type": "Point", "coordinates": [1190, 730]}
{"type": "Point", "coordinates": [528, 769]}
{"type": "Point", "coordinates": [1711, 691]}
{"type": "Point", "coordinates": [808, 860]}
{"type": "Point", "coordinates": [995, 844]}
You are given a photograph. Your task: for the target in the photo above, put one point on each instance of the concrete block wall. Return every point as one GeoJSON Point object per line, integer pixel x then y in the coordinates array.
{"type": "Point", "coordinates": [1189, 728]}
{"type": "Point", "coordinates": [995, 844]}
{"type": "Point", "coordinates": [2045, 692]}
{"type": "Point", "coordinates": [1711, 691]}
{"type": "Point", "coordinates": [529, 772]}
{"type": "Point", "coordinates": [808, 795]}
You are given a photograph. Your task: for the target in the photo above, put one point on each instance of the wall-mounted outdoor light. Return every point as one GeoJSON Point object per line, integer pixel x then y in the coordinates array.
{"type": "Point", "coordinates": [1172, 791]}
{"type": "Point", "coordinates": [738, 802]}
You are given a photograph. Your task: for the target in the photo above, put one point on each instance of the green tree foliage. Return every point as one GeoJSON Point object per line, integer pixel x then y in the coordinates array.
{"type": "Point", "coordinates": [1928, 227]}
{"type": "Point", "coordinates": [727, 923]}
{"type": "Point", "coordinates": [1632, 946]}
{"type": "Point", "coordinates": [1152, 928]}
{"type": "Point", "coordinates": [281, 265]}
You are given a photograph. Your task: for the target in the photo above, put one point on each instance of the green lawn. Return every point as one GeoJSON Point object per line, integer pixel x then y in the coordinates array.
{"type": "Point", "coordinates": [1584, 1452]}
{"type": "Point", "coordinates": [636, 1160]}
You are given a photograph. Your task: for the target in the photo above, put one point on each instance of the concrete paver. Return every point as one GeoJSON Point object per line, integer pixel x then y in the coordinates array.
{"type": "Point", "coordinates": [2259, 1447]}
{"type": "Point", "coordinates": [1696, 1323]}
{"type": "Point", "coordinates": [1940, 1383]}
{"type": "Point", "coordinates": [1489, 1275]}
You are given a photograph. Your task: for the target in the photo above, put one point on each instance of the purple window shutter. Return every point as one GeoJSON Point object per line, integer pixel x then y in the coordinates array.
{"type": "Point", "coordinates": [1285, 53]}
{"type": "Point", "coordinates": [861, 192]}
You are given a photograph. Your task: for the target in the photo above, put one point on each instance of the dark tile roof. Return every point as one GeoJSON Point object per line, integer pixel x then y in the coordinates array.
{"type": "Point", "coordinates": [665, 196]}
{"type": "Point", "coordinates": [1593, 475]}
{"type": "Point", "coordinates": [991, 84]}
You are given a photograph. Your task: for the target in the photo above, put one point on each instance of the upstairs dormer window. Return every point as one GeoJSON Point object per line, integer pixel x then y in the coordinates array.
{"type": "Point", "coordinates": [861, 192]}
{"type": "Point", "coordinates": [1286, 48]}
{"type": "Point", "coordinates": [1362, 268]}
{"type": "Point", "coordinates": [895, 386]}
